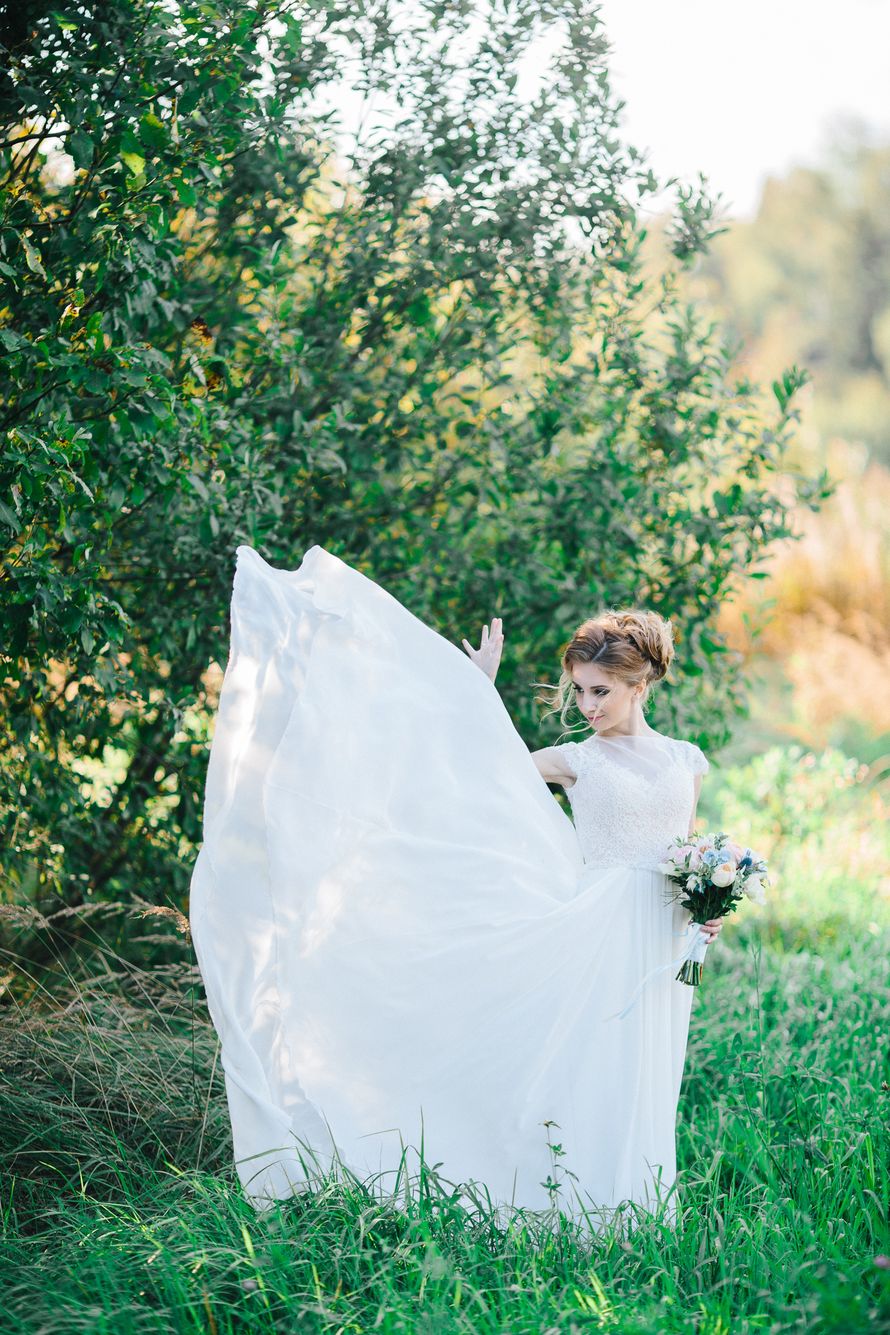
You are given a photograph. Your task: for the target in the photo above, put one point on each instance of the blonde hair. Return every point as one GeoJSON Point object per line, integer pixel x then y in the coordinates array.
{"type": "Point", "coordinates": [632, 644]}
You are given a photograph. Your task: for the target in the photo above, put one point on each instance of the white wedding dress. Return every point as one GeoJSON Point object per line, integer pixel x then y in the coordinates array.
{"type": "Point", "coordinates": [405, 941]}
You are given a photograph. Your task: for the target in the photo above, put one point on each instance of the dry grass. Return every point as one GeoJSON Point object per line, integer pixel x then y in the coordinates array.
{"type": "Point", "coordinates": [824, 611]}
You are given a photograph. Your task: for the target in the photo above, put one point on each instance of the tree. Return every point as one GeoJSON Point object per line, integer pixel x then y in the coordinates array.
{"type": "Point", "coordinates": [808, 279]}
{"type": "Point", "coordinates": [436, 351]}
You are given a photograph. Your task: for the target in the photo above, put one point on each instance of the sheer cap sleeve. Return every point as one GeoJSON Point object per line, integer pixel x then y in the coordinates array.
{"type": "Point", "coordinates": [696, 760]}
{"type": "Point", "coordinates": [569, 754]}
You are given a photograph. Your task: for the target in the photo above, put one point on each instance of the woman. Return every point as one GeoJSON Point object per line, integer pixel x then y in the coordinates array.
{"type": "Point", "coordinates": [408, 947]}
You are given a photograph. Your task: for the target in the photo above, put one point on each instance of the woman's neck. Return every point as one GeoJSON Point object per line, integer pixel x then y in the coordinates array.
{"type": "Point", "coordinates": [633, 728]}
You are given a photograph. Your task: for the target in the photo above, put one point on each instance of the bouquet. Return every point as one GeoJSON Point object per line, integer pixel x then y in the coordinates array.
{"type": "Point", "coordinates": [714, 873]}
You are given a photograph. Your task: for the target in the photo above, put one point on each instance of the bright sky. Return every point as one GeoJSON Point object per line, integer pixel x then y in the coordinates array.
{"type": "Point", "coordinates": [742, 91]}
{"type": "Point", "coordinates": [739, 91]}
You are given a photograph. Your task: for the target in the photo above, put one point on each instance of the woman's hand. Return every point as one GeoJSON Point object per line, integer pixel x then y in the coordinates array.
{"type": "Point", "coordinates": [488, 655]}
{"type": "Point", "coordinates": [712, 928]}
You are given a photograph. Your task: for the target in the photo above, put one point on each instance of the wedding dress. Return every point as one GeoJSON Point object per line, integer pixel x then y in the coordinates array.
{"type": "Point", "coordinates": [407, 945]}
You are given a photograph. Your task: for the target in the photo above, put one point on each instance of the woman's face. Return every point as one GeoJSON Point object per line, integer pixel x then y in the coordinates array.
{"type": "Point", "coordinates": [604, 701]}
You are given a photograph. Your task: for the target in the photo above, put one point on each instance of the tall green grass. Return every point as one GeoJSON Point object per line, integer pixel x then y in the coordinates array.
{"type": "Point", "coordinates": [121, 1212]}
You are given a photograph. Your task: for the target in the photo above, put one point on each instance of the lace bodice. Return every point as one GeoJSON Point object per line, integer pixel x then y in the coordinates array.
{"type": "Point", "coordinates": [631, 796]}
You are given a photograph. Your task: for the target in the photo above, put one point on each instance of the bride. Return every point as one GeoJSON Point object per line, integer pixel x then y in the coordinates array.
{"type": "Point", "coordinates": [408, 947]}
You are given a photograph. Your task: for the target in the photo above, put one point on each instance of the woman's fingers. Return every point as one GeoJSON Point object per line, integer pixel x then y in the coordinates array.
{"type": "Point", "coordinates": [492, 639]}
{"type": "Point", "coordinates": [712, 928]}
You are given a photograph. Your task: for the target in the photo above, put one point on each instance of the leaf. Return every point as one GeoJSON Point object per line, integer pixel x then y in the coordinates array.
{"type": "Point", "coordinates": [134, 161]}
{"type": "Point", "coordinates": [419, 310]}
{"type": "Point", "coordinates": [187, 193]}
{"type": "Point", "coordinates": [153, 132]}
{"type": "Point", "coordinates": [32, 256]}
{"type": "Point", "coordinates": [292, 37]}
{"type": "Point", "coordinates": [81, 148]}
{"type": "Point", "coordinates": [10, 517]}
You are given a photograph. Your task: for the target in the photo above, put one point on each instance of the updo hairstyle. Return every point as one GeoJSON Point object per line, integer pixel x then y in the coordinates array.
{"type": "Point", "coordinates": [631, 644]}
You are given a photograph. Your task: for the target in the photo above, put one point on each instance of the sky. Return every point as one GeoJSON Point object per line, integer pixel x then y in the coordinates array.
{"type": "Point", "coordinates": [737, 91]}
{"type": "Point", "coordinates": [743, 91]}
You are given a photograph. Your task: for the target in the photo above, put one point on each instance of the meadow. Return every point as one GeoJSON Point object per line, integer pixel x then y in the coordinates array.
{"type": "Point", "coordinates": [121, 1212]}
{"type": "Point", "coordinates": [471, 376]}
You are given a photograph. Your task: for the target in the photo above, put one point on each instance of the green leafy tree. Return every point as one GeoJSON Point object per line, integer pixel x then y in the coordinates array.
{"type": "Point", "coordinates": [434, 348]}
{"type": "Point", "coordinates": [808, 279]}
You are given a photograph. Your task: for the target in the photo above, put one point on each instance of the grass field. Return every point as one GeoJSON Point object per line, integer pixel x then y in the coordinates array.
{"type": "Point", "coordinates": [121, 1214]}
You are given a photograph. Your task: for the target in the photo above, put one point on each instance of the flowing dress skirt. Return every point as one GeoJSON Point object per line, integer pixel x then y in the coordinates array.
{"type": "Point", "coordinates": [402, 948]}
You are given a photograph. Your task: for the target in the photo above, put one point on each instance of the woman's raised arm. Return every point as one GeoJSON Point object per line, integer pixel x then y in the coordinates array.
{"type": "Point", "coordinates": [549, 760]}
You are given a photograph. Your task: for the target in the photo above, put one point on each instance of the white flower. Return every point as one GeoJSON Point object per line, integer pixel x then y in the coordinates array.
{"type": "Point", "coordinates": [753, 888]}
{"type": "Point", "coordinates": [724, 874]}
